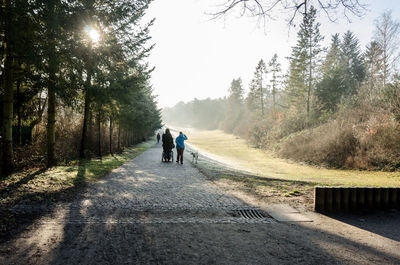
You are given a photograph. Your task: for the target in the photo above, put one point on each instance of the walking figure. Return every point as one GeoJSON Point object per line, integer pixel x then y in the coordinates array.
{"type": "Point", "coordinates": [167, 144]}
{"type": "Point", "coordinates": [180, 146]}
{"type": "Point", "coordinates": [158, 137]}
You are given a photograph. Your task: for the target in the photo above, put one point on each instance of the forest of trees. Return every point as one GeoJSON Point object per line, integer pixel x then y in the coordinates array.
{"type": "Point", "coordinates": [74, 82]}
{"type": "Point", "coordinates": [336, 106]}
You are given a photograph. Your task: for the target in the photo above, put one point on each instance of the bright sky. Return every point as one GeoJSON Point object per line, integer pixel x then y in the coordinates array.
{"type": "Point", "coordinates": [198, 57]}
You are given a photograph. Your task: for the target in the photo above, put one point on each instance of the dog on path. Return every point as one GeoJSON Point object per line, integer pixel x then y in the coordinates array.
{"type": "Point", "coordinates": [195, 156]}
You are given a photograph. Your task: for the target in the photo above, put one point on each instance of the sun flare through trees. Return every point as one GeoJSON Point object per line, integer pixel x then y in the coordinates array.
{"type": "Point", "coordinates": [74, 81]}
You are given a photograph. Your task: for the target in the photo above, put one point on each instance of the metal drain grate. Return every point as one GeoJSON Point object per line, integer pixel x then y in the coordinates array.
{"type": "Point", "coordinates": [250, 214]}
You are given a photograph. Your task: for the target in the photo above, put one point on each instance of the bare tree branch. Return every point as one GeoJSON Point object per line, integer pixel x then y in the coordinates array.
{"type": "Point", "coordinates": [296, 10]}
{"type": "Point", "coordinates": [266, 8]}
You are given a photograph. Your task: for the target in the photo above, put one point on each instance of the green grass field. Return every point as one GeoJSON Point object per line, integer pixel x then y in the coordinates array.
{"type": "Point", "coordinates": [237, 152]}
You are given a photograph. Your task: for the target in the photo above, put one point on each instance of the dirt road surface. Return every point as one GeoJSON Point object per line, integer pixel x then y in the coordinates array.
{"type": "Point", "coordinates": [149, 212]}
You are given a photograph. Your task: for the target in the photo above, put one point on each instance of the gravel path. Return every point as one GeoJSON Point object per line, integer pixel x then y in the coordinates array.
{"type": "Point", "coordinates": [149, 212]}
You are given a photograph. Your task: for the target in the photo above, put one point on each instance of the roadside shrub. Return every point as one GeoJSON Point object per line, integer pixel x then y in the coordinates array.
{"type": "Point", "coordinates": [258, 133]}
{"type": "Point", "coordinates": [379, 147]}
{"type": "Point", "coordinates": [331, 144]}
{"type": "Point", "coordinates": [68, 135]}
{"type": "Point", "coordinates": [294, 121]}
{"type": "Point", "coordinates": [392, 97]}
{"type": "Point", "coordinates": [358, 138]}
{"type": "Point", "coordinates": [31, 155]}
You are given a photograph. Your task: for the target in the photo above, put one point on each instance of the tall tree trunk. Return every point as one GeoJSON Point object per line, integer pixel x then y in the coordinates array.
{"type": "Point", "coordinates": [111, 133]}
{"type": "Point", "coordinates": [51, 105]}
{"type": "Point", "coordinates": [88, 98]}
{"type": "Point", "coordinates": [86, 114]}
{"type": "Point", "coordinates": [18, 106]}
{"type": "Point", "coordinates": [310, 74]}
{"type": "Point", "coordinates": [8, 99]}
{"type": "Point", "coordinates": [91, 129]}
{"type": "Point", "coordinates": [273, 94]}
{"type": "Point", "coordinates": [51, 113]}
{"type": "Point", "coordinates": [99, 133]}
{"type": "Point", "coordinates": [51, 124]}
{"type": "Point", "coordinates": [262, 96]}
{"type": "Point", "coordinates": [119, 137]}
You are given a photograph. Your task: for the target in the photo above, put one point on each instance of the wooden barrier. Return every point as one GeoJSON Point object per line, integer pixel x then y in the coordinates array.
{"type": "Point", "coordinates": [345, 199]}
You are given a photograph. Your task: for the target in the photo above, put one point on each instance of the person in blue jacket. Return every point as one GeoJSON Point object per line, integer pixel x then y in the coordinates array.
{"type": "Point", "coordinates": [180, 146]}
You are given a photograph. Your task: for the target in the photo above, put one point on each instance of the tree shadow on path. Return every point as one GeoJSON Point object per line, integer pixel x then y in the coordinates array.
{"type": "Point", "coordinates": [384, 223]}
{"type": "Point", "coordinates": [29, 207]}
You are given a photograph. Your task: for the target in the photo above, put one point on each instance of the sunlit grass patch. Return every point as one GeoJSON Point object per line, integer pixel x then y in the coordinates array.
{"type": "Point", "coordinates": [42, 184]}
{"type": "Point", "coordinates": [240, 155]}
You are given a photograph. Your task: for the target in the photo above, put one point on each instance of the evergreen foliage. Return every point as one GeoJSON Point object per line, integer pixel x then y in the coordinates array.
{"type": "Point", "coordinates": [304, 62]}
{"type": "Point", "coordinates": [257, 93]}
{"type": "Point", "coordinates": [352, 64]}
{"type": "Point", "coordinates": [236, 92]}
{"type": "Point", "coordinates": [275, 70]}
{"type": "Point", "coordinates": [331, 86]}
{"type": "Point", "coordinates": [374, 77]}
{"type": "Point", "coordinates": [80, 57]}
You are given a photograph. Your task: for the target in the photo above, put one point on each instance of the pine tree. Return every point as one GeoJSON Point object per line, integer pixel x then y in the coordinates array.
{"type": "Point", "coordinates": [16, 45]}
{"type": "Point", "coordinates": [332, 59]}
{"type": "Point", "coordinates": [374, 71]}
{"type": "Point", "coordinates": [256, 96]}
{"type": "Point", "coordinates": [351, 64]}
{"type": "Point", "coordinates": [236, 92]}
{"type": "Point", "coordinates": [331, 88]}
{"type": "Point", "coordinates": [8, 82]}
{"type": "Point", "coordinates": [234, 105]}
{"type": "Point", "coordinates": [116, 46]}
{"type": "Point", "coordinates": [305, 60]}
{"type": "Point", "coordinates": [53, 16]}
{"type": "Point", "coordinates": [275, 70]}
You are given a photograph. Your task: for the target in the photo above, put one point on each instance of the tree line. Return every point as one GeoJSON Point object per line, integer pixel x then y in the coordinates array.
{"type": "Point", "coordinates": [80, 63]}
{"type": "Point", "coordinates": [336, 105]}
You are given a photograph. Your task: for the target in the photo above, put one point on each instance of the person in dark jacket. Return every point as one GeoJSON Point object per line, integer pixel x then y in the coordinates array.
{"type": "Point", "coordinates": [158, 137]}
{"type": "Point", "coordinates": [180, 146]}
{"type": "Point", "coordinates": [167, 144]}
